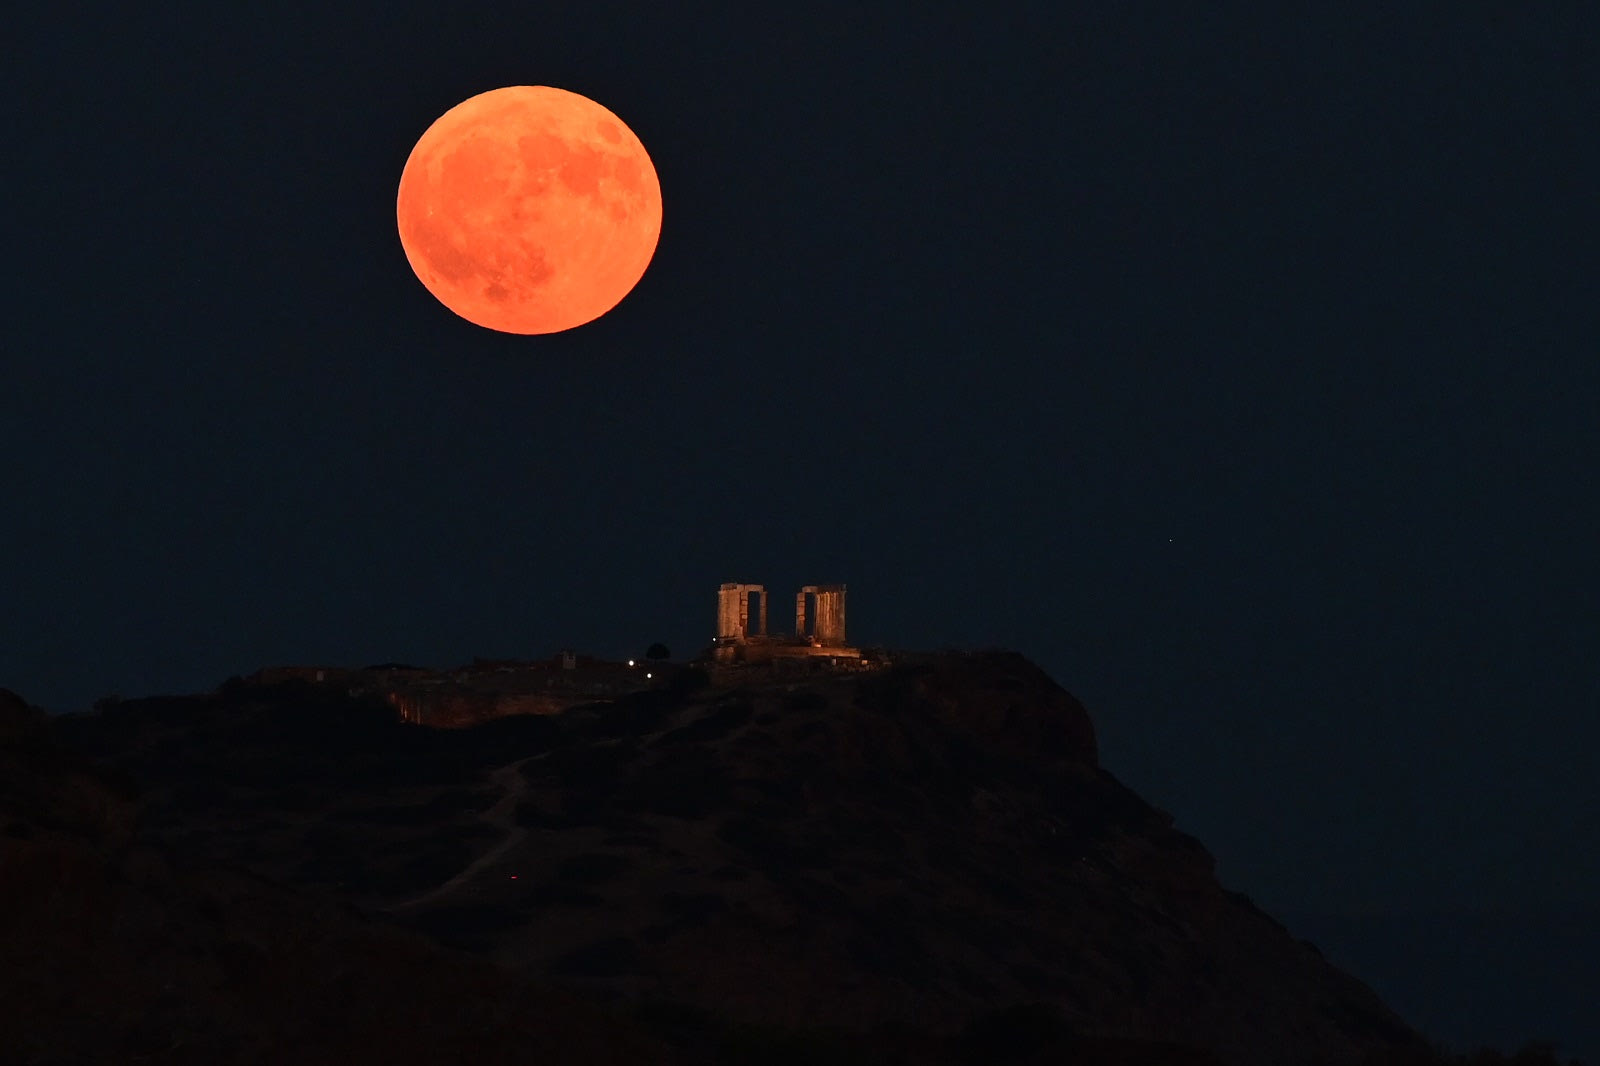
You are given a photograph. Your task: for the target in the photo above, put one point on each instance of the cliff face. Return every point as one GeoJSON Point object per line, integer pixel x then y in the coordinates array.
{"type": "Point", "coordinates": [920, 848]}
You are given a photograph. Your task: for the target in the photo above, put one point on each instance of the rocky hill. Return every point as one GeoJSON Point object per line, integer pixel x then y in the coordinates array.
{"type": "Point", "coordinates": [114, 949]}
{"type": "Point", "coordinates": [922, 864]}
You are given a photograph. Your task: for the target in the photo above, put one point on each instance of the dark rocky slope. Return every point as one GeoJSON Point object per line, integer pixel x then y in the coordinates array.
{"type": "Point", "coordinates": [116, 951]}
{"type": "Point", "coordinates": [910, 851]}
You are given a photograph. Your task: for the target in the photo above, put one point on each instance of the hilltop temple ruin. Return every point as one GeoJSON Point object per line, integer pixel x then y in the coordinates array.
{"type": "Point", "coordinates": [743, 637]}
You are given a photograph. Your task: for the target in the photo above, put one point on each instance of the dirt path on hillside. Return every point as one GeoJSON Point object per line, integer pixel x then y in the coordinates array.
{"type": "Point", "coordinates": [503, 816]}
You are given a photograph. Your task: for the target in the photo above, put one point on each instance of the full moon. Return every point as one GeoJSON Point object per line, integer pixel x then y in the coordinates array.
{"type": "Point", "coordinates": [529, 209]}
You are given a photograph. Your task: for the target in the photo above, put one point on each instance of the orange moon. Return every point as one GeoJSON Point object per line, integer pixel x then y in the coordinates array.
{"type": "Point", "coordinates": [529, 209]}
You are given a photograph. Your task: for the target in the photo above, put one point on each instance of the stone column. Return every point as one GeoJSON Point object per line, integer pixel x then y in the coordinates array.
{"type": "Point", "coordinates": [733, 610]}
{"type": "Point", "coordinates": [829, 623]}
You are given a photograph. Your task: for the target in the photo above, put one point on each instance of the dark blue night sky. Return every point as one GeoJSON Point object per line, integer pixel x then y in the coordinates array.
{"type": "Point", "coordinates": [1241, 373]}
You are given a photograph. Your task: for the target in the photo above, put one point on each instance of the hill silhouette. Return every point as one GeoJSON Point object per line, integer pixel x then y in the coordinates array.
{"type": "Point", "coordinates": [922, 864]}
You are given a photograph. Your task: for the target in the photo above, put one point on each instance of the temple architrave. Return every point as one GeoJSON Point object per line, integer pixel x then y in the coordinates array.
{"type": "Point", "coordinates": [818, 626]}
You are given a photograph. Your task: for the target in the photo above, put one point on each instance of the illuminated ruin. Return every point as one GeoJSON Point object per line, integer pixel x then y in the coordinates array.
{"type": "Point", "coordinates": [819, 627]}
{"type": "Point", "coordinates": [733, 612]}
